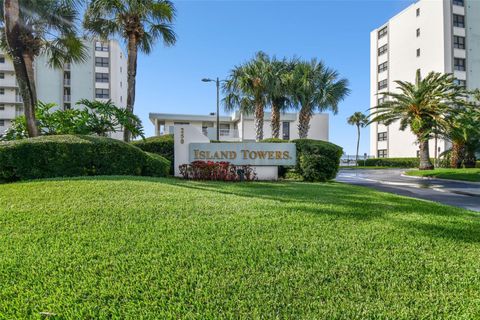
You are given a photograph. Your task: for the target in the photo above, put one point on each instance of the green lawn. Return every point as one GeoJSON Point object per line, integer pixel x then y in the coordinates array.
{"type": "Point", "coordinates": [144, 248]}
{"type": "Point", "coordinates": [453, 174]}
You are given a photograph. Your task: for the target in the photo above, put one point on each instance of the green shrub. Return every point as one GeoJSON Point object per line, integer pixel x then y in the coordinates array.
{"type": "Point", "coordinates": [274, 140]}
{"type": "Point", "coordinates": [313, 167]}
{"type": "Point", "coordinates": [156, 165]}
{"type": "Point", "coordinates": [326, 163]}
{"type": "Point", "coordinates": [68, 156]}
{"type": "Point", "coordinates": [393, 162]}
{"type": "Point", "coordinates": [161, 145]}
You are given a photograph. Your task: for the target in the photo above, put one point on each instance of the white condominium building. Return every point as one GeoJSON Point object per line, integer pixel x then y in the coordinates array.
{"type": "Point", "coordinates": [102, 76]}
{"type": "Point", "coordinates": [239, 127]}
{"type": "Point", "coordinates": [429, 35]}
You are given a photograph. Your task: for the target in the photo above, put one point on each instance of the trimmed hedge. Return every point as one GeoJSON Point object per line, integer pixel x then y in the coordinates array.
{"type": "Point", "coordinates": [161, 145]}
{"type": "Point", "coordinates": [317, 160]}
{"type": "Point", "coordinates": [69, 156]}
{"type": "Point", "coordinates": [393, 162]}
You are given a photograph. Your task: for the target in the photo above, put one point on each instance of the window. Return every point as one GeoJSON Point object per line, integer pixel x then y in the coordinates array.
{"type": "Point", "coordinates": [382, 32]}
{"type": "Point", "coordinates": [101, 77]}
{"type": "Point", "coordinates": [2, 107]}
{"type": "Point", "coordinates": [380, 101]}
{"type": "Point", "coordinates": [418, 12]}
{"type": "Point", "coordinates": [459, 42]}
{"type": "Point", "coordinates": [461, 83]}
{"type": "Point", "coordinates": [458, 21]}
{"type": "Point", "coordinates": [418, 32]}
{"type": "Point", "coordinates": [459, 3]}
{"type": "Point", "coordinates": [382, 153]}
{"type": "Point", "coordinates": [382, 84]}
{"type": "Point", "coordinates": [2, 59]}
{"type": "Point", "coordinates": [382, 136]}
{"type": "Point", "coordinates": [179, 123]}
{"type": "Point", "coordinates": [102, 93]}
{"type": "Point", "coordinates": [67, 106]}
{"type": "Point", "coordinates": [382, 50]}
{"type": "Point", "coordinates": [382, 67]}
{"type": "Point", "coordinates": [2, 90]}
{"type": "Point", "coordinates": [100, 46]}
{"type": "Point", "coordinates": [286, 130]}
{"type": "Point", "coordinates": [2, 75]}
{"type": "Point", "coordinates": [2, 122]}
{"type": "Point", "coordinates": [101, 62]}
{"type": "Point", "coordinates": [418, 52]}
{"type": "Point", "coordinates": [459, 64]}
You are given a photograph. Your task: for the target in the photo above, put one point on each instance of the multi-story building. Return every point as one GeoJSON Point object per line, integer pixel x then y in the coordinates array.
{"type": "Point", "coordinates": [240, 127]}
{"type": "Point", "coordinates": [429, 35]}
{"type": "Point", "coordinates": [102, 76]}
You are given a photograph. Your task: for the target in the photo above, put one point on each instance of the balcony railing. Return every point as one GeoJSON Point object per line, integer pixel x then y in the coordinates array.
{"type": "Point", "coordinates": [67, 66]}
{"type": "Point", "coordinates": [66, 82]}
{"type": "Point", "coordinates": [18, 98]}
{"type": "Point", "coordinates": [66, 98]}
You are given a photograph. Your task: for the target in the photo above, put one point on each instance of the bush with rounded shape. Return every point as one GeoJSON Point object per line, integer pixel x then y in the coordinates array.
{"type": "Point", "coordinates": [316, 167]}
{"type": "Point", "coordinates": [274, 140]}
{"type": "Point", "coordinates": [327, 150]}
{"type": "Point", "coordinates": [71, 155]}
{"type": "Point", "coordinates": [156, 166]}
{"type": "Point", "coordinates": [161, 145]}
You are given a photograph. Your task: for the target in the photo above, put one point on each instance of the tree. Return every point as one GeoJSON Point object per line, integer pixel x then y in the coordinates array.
{"type": "Point", "coordinates": [94, 118]}
{"type": "Point", "coordinates": [463, 131]}
{"type": "Point", "coordinates": [422, 107]}
{"type": "Point", "coordinates": [39, 27]}
{"type": "Point", "coordinates": [139, 23]}
{"type": "Point", "coordinates": [315, 87]}
{"type": "Point", "coordinates": [278, 90]}
{"type": "Point", "coordinates": [359, 120]}
{"type": "Point", "coordinates": [246, 89]}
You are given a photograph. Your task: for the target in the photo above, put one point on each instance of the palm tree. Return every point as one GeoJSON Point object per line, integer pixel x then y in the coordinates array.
{"type": "Point", "coordinates": [359, 120]}
{"type": "Point", "coordinates": [278, 91]}
{"type": "Point", "coordinates": [39, 27]}
{"type": "Point", "coordinates": [315, 87]}
{"type": "Point", "coordinates": [139, 23]}
{"type": "Point", "coordinates": [246, 89]}
{"type": "Point", "coordinates": [464, 132]}
{"type": "Point", "coordinates": [422, 107]}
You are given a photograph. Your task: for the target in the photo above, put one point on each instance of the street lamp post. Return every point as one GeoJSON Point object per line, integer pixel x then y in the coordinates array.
{"type": "Point", "coordinates": [217, 82]}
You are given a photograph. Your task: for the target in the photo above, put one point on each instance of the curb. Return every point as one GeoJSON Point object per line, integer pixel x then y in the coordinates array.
{"type": "Point", "coordinates": [448, 180]}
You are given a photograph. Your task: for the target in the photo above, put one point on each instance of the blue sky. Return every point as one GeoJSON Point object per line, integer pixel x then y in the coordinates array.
{"type": "Point", "coordinates": [213, 36]}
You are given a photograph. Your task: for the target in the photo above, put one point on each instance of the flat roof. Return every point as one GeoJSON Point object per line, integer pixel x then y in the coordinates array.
{"type": "Point", "coordinates": [195, 117]}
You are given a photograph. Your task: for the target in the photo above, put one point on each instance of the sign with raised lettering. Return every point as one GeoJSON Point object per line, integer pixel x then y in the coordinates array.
{"type": "Point", "coordinates": [249, 153]}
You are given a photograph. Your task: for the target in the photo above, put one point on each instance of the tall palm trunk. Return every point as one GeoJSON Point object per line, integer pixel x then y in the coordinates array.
{"type": "Point", "coordinates": [425, 163]}
{"type": "Point", "coordinates": [458, 153]}
{"type": "Point", "coordinates": [131, 76]}
{"type": "Point", "coordinates": [22, 63]}
{"type": "Point", "coordinates": [258, 121]}
{"type": "Point", "coordinates": [358, 144]}
{"type": "Point", "coordinates": [304, 122]}
{"type": "Point", "coordinates": [275, 120]}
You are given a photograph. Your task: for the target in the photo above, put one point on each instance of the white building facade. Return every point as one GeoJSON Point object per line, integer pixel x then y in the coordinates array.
{"type": "Point", "coordinates": [103, 76]}
{"type": "Point", "coordinates": [429, 35]}
{"type": "Point", "coordinates": [239, 127]}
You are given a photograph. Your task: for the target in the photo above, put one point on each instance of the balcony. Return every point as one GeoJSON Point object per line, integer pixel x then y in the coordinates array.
{"type": "Point", "coordinates": [225, 134]}
{"type": "Point", "coordinates": [66, 98]}
{"type": "Point", "coordinates": [67, 66]}
{"type": "Point", "coordinates": [66, 82]}
{"type": "Point", "coordinates": [18, 99]}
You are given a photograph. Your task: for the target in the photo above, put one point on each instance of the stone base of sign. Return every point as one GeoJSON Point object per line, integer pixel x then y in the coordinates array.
{"type": "Point", "coordinates": [266, 172]}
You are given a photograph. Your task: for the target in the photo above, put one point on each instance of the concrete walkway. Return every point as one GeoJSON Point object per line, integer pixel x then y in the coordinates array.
{"type": "Point", "coordinates": [455, 193]}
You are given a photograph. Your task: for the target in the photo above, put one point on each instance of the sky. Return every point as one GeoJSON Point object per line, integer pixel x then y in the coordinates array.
{"type": "Point", "coordinates": [214, 36]}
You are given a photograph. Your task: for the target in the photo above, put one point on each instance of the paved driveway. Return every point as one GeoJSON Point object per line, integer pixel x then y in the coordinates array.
{"type": "Point", "coordinates": [460, 194]}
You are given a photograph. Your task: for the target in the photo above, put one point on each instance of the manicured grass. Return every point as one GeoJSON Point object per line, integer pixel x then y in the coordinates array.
{"type": "Point", "coordinates": [453, 174]}
{"type": "Point", "coordinates": [145, 248]}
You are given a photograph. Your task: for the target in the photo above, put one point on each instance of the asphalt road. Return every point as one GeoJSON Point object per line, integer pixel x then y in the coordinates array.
{"type": "Point", "coordinates": [455, 193]}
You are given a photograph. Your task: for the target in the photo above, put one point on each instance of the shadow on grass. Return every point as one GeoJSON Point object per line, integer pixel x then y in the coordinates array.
{"type": "Point", "coordinates": [333, 199]}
